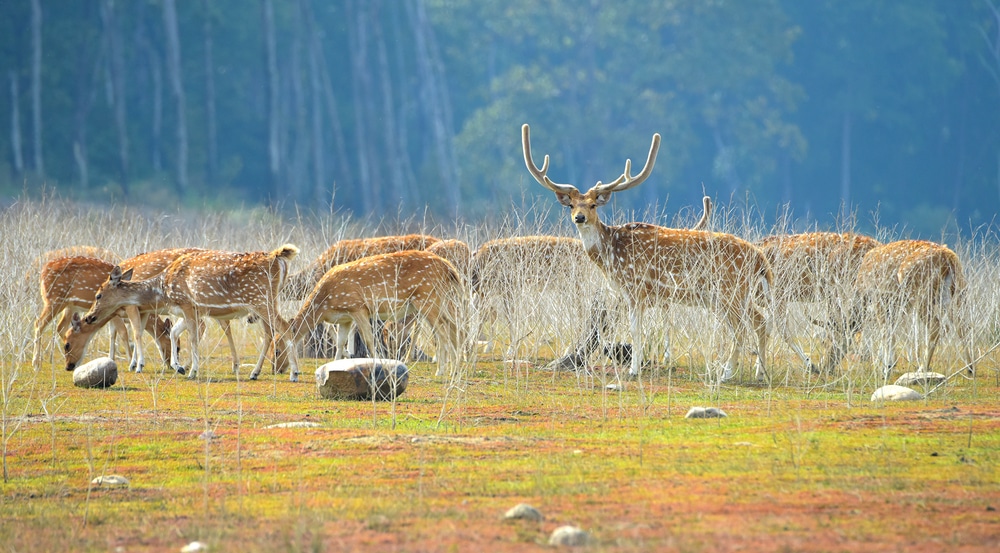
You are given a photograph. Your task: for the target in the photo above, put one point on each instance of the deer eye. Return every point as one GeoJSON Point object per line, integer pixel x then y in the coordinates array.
{"type": "Point", "coordinates": [98, 296]}
{"type": "Point", "coordinates": [66, 347]}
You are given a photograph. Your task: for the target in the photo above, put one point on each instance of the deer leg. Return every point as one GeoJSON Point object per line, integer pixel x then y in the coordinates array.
{"type": "Point", "coordinates": [175, 332]}
{"type": "Point", "coordinates": [286, 356]}
{"type": "Point", "coordinates": [137, 322]}
{"type": "Point", "coordinates": [227, 330]}
{"type": "Point", "coordinates": [759, 325]}
{"type": "Point", "coordinates": [117, 327]}
{"type": "Point", "coordinates": [195, 337]}
{"type": "Point", "coordinates": [933, 323]}
{"type": "Point", "coordinates": [343, 335]}
{"type": "Point", "coordinates": [43, 320]}
{"type": "Point", "coordinates": [635, 328]}
{"type": "Point", "coordinates": [363, 325]}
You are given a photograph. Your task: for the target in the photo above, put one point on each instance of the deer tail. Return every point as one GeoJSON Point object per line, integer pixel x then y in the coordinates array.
{"type": "Point", "coordinates": [286, 252]}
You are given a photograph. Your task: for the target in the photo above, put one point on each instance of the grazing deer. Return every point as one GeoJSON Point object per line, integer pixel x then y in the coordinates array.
{"type": "Point", "coordinates": [203, 283]}
{"type": "Point", "coordinates": [140, 267]}
{"type": "Point", "coordinates": [344, 251]}
{"type": "Point", "coordinates": [654, 265]}
{"type": "Point", "coordinates": [913, 277]}
{"type": "Point", "coordinates": [815, 267]}
{"type": "Point", "coordinates": [68, 286]}
{"type": "Point", "coordinates": [387, 286]}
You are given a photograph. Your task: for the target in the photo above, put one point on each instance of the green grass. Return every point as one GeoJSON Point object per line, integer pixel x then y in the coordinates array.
{"type": "Point", "coordinates": [782, 471]}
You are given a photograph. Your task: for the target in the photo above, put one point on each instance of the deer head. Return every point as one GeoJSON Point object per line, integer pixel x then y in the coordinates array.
{"type": "Point", "coordinates": [584, 206]}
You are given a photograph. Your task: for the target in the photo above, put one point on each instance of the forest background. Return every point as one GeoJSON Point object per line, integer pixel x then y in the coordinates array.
{"type": "Point", "coordinates": [387, 108]}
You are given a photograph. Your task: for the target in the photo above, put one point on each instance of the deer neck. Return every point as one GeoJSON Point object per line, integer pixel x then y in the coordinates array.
{"type": "Point", "coordinates": [596, 240]}
{"type": "Point", "coordinates": [145, 292]}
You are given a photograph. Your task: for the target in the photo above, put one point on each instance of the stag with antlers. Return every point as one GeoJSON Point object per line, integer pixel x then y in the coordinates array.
{"type": "Point", "coordinates": [208, 283]}
{"type": "Point", "coordinates": [653, 265]}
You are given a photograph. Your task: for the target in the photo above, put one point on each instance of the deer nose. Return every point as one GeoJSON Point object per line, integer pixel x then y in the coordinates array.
{"type": "Point", "coordinates": [579, 218]}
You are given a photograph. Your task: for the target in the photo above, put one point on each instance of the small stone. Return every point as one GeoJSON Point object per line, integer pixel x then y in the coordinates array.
{"type": "Point", "coordinates": [920, 379]}
{"type": "Point", "coordinates": [523, 511]}
{"type": "Point", "coordinates": [194, 547]}
{"type": "Point", "coordinates": [99, 373]}
{"type": "Point", "coordinates": [207, 436]}
{"type": "Point", "coordinates": [705, 413]}
{"type": "Point", "coordinates": [110, 481]}
{"type": "Point", "coordinates": [614, 387]}
{"type": "Point", "coordinates": [361, 379]}
{"type": "Point", "coordinates": [569, 536]}
{"type": "Point", "coordinates": [893, 392]}
{"type": "Point", "coordinates": [295, 424]}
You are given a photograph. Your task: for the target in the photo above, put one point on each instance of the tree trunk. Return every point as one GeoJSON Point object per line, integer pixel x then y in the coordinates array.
{"type": "Point", "coordinates": [273, 114]}
{"type": "Point", "coordinates": [177, 87]}
{"type": "Point", "coordinates": [15, 124]}
{"type": "Point", "coordinates": [407, 103]}
{"type": "Point", "coordinates": [87, 70]}
{"type": "Point", "coordinates": [436, 102]}
{"type": "Point", "coordinates": [116, 66]}
{"type": "Point", "coordinates": [156, 73]}
{"type": "Point", "coordinates": [319, 192]}
{"type": "Point", "coordinates": [393, 155]}
{"type": "Point", "coordinates": [211, 164]}
{"type": "Point", "coordinates": [361, 87]}
{"type": "Point", "coordinates": [343, 172]}
{"type": "Point", "coordinates": [298, 168]}
{"type": "Point", "coordinates": [845, 162]}
{"type": "Point", "coordinates": [36, 84]}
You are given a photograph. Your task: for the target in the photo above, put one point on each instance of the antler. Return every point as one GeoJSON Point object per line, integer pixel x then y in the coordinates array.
{"type": "Point", "coordinates": [540, 174]}
{"type": "Point", "coordinates": [627, 181]}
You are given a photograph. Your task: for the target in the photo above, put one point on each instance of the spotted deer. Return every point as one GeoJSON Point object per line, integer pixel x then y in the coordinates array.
{"type": "Point", "coordinates": [907, 277]}
{"type": "Point", "coordinates": [68, 286]}
{"type": "Point", "coordinates": [815, 267]}
{"type": "Point", "coordinates": [654, 266]}
{"type": "Point", "coordinates": [206, 282]}
{"type": "Point", "coordinates": [344, 251]}
{"type": "Point", "coordinates": [387, 286]}
{"type": "Point", "coordinates": [140, 267]}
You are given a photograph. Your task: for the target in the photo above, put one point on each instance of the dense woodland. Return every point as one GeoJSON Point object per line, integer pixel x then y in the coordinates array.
{"type": "Point", "coordinates": [384, 108]}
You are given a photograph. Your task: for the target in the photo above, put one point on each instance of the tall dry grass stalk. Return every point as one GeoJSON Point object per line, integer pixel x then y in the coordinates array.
{"type": "Point", "coordinates": [532, 308]}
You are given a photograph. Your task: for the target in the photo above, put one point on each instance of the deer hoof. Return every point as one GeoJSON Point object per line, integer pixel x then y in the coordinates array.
{"type": "Point", "coordinates": [179, 369]}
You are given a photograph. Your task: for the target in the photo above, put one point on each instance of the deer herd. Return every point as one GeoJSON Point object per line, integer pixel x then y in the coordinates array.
{"type": "Point", "coordinates": [857, 284]}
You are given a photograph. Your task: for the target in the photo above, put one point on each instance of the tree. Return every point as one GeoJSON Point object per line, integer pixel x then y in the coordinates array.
{"type": "Point", "coordinates": [177, 88]}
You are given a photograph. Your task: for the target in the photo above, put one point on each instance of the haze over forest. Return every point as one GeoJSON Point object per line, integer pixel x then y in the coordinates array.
{"type": "Point", "coordinates": [385, 107]}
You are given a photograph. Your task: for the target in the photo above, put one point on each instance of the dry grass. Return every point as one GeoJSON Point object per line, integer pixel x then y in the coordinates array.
{"type": "Point", "coordinates": [803, 463]}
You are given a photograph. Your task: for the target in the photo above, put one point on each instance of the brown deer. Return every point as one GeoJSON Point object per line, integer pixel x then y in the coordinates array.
{"type": "Point", "coordinates": [906, 277]}
{"type": "Point", "coordinates": [815, 267]}
{"type": "Point", "coordinates": [142, 266]}
{"type": "Point", "coordinates": [204, 282]}
{"type": "Point", "coordinates": [654, 265]}
{"type": "Point", "coordinates": [387, 286]}
{"type": "Point", "coordinates": [68, 286]}
{"type": "Point", "coordinates": [344, 251]}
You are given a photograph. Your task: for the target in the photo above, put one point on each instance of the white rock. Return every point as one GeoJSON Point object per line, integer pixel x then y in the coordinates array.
{"type": "Point", "coordinates": [705, 413]}
{"type": "Point", "coordinates": [893, 392]}
{"type": "Point", "coordinates": [920, 379]}
{"type": "Point", "coordinates": [99, 373]}
{"type": "Point", "coordinates": [194, 547]}
{"type": "Point", "coordinates": [523, 511]}
{"type": "Point", "coordinates": [569, 536]}
{"type": "Point", "coordinates": [110, 481]}
{"type": "Point", "coordinates": [357, 378]}
{"type": "Point", "coordinates": [295, 424]}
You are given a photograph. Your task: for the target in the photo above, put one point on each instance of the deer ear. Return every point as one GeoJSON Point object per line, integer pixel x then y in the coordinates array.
{"type": "Point", "coordinates": [564, 199]}
{"type": "Point", "coordinates": [128, 274]}
{"type": "Point", "coordinates": [75, 322]}
{"type": "Point", "coordinates": [116, 275]}
{"type": "Point", "coordinates": [603, 199]}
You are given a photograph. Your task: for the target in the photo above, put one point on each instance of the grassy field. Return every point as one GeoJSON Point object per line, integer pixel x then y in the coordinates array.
{"type": "Point", "coordinates": [803, 464]}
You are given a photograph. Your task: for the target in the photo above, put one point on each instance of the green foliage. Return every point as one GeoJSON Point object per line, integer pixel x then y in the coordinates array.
{"type": "Point", "coordinates": [755, 101]}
